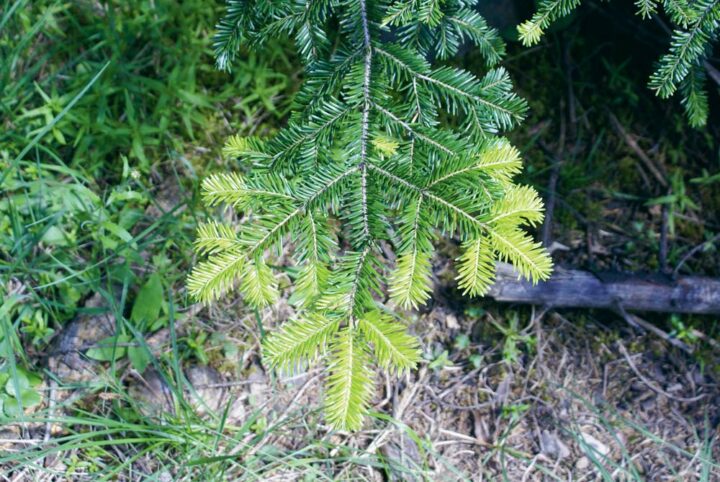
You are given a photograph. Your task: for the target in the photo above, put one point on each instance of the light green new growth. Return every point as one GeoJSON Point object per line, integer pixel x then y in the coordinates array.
{"type": "Point", "coordinates": [548, 11]}
{"type": "Point", "coordinates": [363, 169]}
{"type": "Point", "coordinates": [697, 23]}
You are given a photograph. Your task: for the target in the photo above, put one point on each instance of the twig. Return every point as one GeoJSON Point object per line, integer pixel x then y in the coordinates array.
{"type": "Point", "coordinates": [51, 410]}
{"type": "Point", "coordinates": [662, 254]}
{"type": "Point", "coordinates": [692, 253]}
{"type": "Point", "coordinates": [556, 157]}
{"type": "Point", "coordinates": [25, 441]}
{"type": "Point", "coordinates": [283, 417]}
{"type": "Point", "coordinates": [461, 437]}
{"type": "Point", "coordinates": [52, 400]}
{"type": "Point", "coordinates": [650, 383]}
{"type": "Point", "coordinates": [712, 72]}
{"type": "Point", "coordinates": [445, 404]}
{"type": "Point", "coordinates": [572, 115]}
{"type": "Point", "coordinates": [550, 201]}
{"type": "Point", "coordinates": [237, 383]}
{"type": "Point", "coordinates": [632, 143]}
{"type": "Point", "coordinates": [552, 183]}
{"type": "Point", "coordinates": [639, 323]}
{"type": "Point", "coordinates": [398, 412]}
{"type": "Point", "coordinates": [536, 319]}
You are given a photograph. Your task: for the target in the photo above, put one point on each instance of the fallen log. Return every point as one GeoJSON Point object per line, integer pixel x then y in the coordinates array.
{"type": "Point", "coordinates": [614, 291]}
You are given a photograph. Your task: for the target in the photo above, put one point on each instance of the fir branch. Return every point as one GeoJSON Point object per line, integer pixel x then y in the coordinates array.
{"type": "Point", "coordinates": [211, 279]}
{"type": "Point", "coordinates": [501, 162]}
{"type": "Point", "coordinates": [229, 33]}
{"type": "Point", "coordinates": [314, 245]}
{"type": "Point", "coordinates": [697, 22]}
{"type": "Point", "coordinates": [695, 98]}
{"type": "Point", "coordinates": [686, 48]}
{"type": "Point", "coordinates": [365, 160]}
{"type": "Point", "coordinates": [262, 235]}
{"type": "Point", "coordinates": [680, 12]}
{"type": "Point", "coordinates": [326, 117]}
{"type": "Point", "coordinates": [548, 11]}
{"type": "Point", "coordinates": [215, 237]}
{"type": "Point", "coordinates": [495, 156]}
{"type": "Point", "coordinates": [646, 8]}
{"type": "Point", "coordinates": [410, 283]}
{"type": "Point", "coordinates": [400, 13]}
{"type": "Point", "coordinates": [232, 189]}
{"type": "Point", "coordinates": [453, 85]}
{"type": "Point", "coordinates": [357, 281]}
{"type": "Point", "coordinates": [349, 386]}
{"type": "Point", "coordinates": [365, 116]}
{"type": "Point", "coordinates": [244, 148]}
{"type": "Point", "coordinates": [413, 131]}
{"type": "Point", "coordinates": [394, 348]}
{"type": "Point", "coordinates": [299, 342]}
{"type": "Point", "coordinates": [258, 284]}
{"type": "Point", "coordinates": [470, 24]}
{"type": "Point", "coordinates": [528, 258]}
{"type": "Point", "coordinates": [430, 13]}
{"type": "Point", "coordinates": [323, 185]}
{"type": "Point", "coordinates": [476, 267]}
{"type": "Point", "coordinates": [519, 205]}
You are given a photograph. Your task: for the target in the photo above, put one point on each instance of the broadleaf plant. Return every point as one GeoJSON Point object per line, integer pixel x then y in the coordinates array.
{"type": "Point", "coordinates": [696, 24]}
{"type": "Point", "coordinates": [365, 168]}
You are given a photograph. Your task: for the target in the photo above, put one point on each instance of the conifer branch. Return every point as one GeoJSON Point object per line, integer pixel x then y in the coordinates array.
{"type": "Point", "coordinates": [474, 26]}
{"type": "Point", "coordinates": [362, 161]}
{"type": "Point", "coordinates": [394, 348]}
{"type": "Point", "coordinates": [313, 248]}
{"type": "Point", "coordinates": [476, 270]}
{"type": "Point", "coordinates": [258, 284]}
{"type": "Point", "coordinates": [548, 11]}
{"type": "Point", "coordinates": [416, 134]}
{"type": "Point", "coordinates": [454, 83]}
{"type": "Point", "coordinates": [322, 183]}
{"type": "Point", "coordinates": [349, 385]}
{"type": "Point", "coordinates": [214, 237]}
{"type": "Point", "coordinates": [309, 133]}
{"type": "Point", "coordinates": [356, 280]}
{"type": "Point", "coordinates": [211, 279]}
{"type": "Point", "coordinates": [686, 48]}
{"type": "Point", "coordinates": [300, 341]}
{"type": "Point", "coordinates": [231, 189]}
{"type": "Point", "coordinates": [428, 195]}
{"type": "Point", "coordinates": [365, 116]}
{"type": "Point", "coordinates": [528, 257]}
{"type": "Point", "coordinates": [410, 283]}
{"type": "Point", "coordinates": [697, 23]}
{"type": "Point", "coordinates": [259, 245]}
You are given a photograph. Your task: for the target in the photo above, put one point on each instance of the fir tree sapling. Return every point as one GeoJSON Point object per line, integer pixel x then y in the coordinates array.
{"type": "Point", "coordinates": [696, 25]}
{"type": "Point", "coordinates": [365, 166]}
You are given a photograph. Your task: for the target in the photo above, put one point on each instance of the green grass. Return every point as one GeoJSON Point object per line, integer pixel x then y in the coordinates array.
{"type": "Point", "coordinates": [111, 112]}
{"type": "Point", "coordinates": [99, 104]}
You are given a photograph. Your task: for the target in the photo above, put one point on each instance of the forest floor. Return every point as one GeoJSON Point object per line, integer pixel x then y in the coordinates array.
{"type": "Point", "coordinates": [121, 377]}
{"type": "Point", "coordinates": [521, 394]}
{"type": "Point", "coordinates": [505, 392]}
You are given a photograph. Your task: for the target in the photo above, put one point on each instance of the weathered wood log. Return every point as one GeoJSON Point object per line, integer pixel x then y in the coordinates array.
{"type": "Point", "coordinates": [614, 291]}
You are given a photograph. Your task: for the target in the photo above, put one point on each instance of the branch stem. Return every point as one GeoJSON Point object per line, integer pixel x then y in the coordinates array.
{"type": "Point", "coordinates": [365, 117]}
